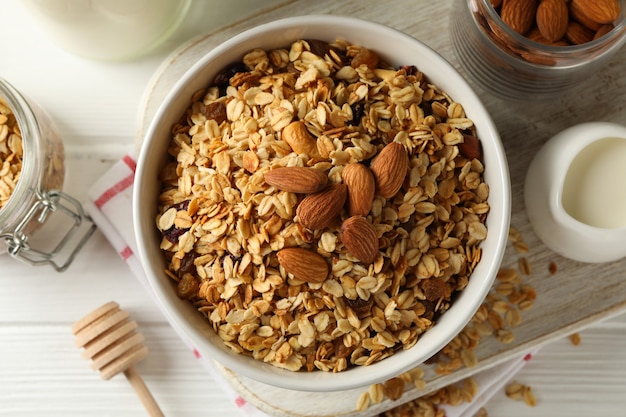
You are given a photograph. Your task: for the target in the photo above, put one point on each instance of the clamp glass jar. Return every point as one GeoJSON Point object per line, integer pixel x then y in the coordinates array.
{"type": "Point", "coordinates": [513, 66]}
{"type": "Point", "coordinates": [32, 172]}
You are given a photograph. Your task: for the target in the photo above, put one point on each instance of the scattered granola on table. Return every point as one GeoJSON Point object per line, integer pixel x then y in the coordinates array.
{"type": "Point", "coordinates": [521, 392]}
{"type": "Point", "coordinates": [380, 267]}
{"type": "Point", "coordinates": [499, 314]}
{"type": "Point", "coordinates": [552, 268]}
{"type": "Point", "coordinates": [575, 339]}
{"type": "Point", "coordinates": [430, 405]}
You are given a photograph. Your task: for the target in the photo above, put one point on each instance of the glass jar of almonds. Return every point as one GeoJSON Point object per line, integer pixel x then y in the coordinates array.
{"type": "Point", "coordinates": [535, 49]}
{"type": "Point", "coordinates": [32, 172]}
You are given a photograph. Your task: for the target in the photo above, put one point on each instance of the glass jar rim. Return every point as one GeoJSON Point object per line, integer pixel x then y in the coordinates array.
{"type": "Point", "coordinates": [617, 35]}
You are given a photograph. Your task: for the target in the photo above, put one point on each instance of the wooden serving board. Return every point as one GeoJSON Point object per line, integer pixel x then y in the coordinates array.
{"type": "Point", "coordinates": [574, 297]}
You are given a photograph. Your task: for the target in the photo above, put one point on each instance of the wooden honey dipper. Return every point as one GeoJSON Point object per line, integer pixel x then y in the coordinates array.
{"type": "Point", "coordinates": [110, 341]}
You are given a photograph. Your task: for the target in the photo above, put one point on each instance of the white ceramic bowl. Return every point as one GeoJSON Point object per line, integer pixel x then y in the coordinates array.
{"type": "Point", "coordinates": [395, 47]}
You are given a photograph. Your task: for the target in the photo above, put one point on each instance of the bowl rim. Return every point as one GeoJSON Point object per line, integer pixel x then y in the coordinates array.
{"type": "Point", "coordinates": [357, 376]}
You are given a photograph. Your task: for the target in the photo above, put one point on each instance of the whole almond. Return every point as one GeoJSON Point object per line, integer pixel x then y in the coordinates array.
{"type": "Point", "coordinates": [359, 237]}
{"type": "Point", "coordinates": [519, 15]}
{"type": "Point", "coordinates": [471, 147]}
{"type": "Point", "coordinates": [319, 210]}
{"type": "Point", "coordinates": [361, 188]}
{"type": "Point", "coordinates": [536, 36]}
{"type": "Point", "coordinates": [552, 19]}
{"type": "Point", "coordinates": [537, 58]}
{"type": "Point", "coordinates": [297, 179]}
{"type": "Point", "coordinates": [599, 11]}
{"type": "Point", "coordinates": [578, 34]}
{"type": "Point", "coordinates": [603, 30]}
{"type": "Point", "coordinates": [575, 13]}
{"type": "Point", "coordinates": [303, 264]}
{"type": "Point", "coordinates": [390, 168]}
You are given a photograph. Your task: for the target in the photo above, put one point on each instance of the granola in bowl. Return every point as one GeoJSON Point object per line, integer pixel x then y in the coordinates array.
{"type": "Point", "coordinates": [263, 259]}
{"type": "Point", "coordinates": [324, 107]}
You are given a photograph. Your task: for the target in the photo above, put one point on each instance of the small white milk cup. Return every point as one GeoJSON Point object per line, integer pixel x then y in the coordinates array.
{"type": "Point", "coordinates": [575, 192]}
{"type": "Point", "coordinates": [108, 29]}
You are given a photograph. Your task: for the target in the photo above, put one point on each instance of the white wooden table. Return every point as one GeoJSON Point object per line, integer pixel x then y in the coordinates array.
{"type": "Point", "coordinates": [99, 108]}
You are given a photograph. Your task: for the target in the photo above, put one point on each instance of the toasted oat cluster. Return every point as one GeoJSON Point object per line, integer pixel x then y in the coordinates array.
{"type": "Point", "coordinates": [322, 272]}
{"type": "Point", "coordinates": [11, 152]}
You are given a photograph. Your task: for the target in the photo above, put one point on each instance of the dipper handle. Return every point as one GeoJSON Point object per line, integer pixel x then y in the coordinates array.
{"type": "Point", "coordinates": [108, 338]}
{"type": "Point", "coordinates": [143, 392]}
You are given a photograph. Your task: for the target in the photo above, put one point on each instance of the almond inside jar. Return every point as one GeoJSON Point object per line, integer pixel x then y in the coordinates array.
{"type": "Point", "coordinates": [518, 51]}
{"type": "Point", "coordinates": [559, 22]}
{"type": "Point", "coordinates": [321, 106]}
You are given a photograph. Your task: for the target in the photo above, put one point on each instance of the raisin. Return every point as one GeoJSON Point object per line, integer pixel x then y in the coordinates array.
{"type": "Point", "coordinates": [410, 69]}
{"type": "Point", "coordinates": [430, 309]}
{"type": "Point", "coordinates": [365, 57]}
{"type": "Point", "coordinates": [428, 109]}
{"type": "Point", "coordinates": [341, 351]}
{"type": "Point", "coordinates": [358, 111]}
{"type": "Point", "coordinates": [222, 79]}
{"type": "Point", "coordinates": [359, 306]}
{"type": "Point", "coordinates": [323, 48]}
{"type": "Point", "coordinates": [173, 233]}
{"type": "Point", "coordinates": [186, 264]}
{"type": "Point", "coordinates": [183, 205]}
{"type": "Point", "coordinates": [435, 288]}
{"type": "Point", "coordinates": [318, 47]}
{"type": "Point", "coordinates": [234, 258]}
{"type": "Point", "coordinates": [187, 287]}
{"type": "Point", "coordinates": [215, 111]}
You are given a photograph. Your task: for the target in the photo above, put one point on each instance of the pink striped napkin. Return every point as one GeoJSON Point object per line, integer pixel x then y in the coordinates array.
{"type": "Point", "coordinates": [110, 206]}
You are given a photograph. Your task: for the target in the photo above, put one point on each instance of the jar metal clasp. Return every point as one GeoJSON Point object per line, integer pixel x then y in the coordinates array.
{"type": "Point", "coordinates": [79, 227]}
